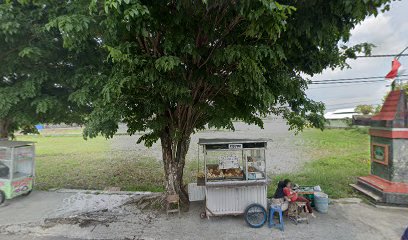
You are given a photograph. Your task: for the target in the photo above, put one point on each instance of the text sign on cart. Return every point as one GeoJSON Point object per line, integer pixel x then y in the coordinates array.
{"type": "Point", "coordinates": [235, 146]}
{"type": "Point", "coordinates": [227, 162]}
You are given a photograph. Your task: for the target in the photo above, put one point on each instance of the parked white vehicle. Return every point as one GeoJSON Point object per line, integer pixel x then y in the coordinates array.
{"type": "Point", "coordinates": [341, 114]}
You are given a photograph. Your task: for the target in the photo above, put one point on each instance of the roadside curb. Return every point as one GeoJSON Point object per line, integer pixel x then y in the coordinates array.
{"type": "Point", "coordinates": [395, 207]}
{"type": "Point", "coordinates": [96, 192]}
{"type": "Point", "coordinates": [347, 200]}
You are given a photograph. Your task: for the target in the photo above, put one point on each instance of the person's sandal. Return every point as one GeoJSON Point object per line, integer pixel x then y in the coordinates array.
{"type": "Point", "coordinates": [313, 216]}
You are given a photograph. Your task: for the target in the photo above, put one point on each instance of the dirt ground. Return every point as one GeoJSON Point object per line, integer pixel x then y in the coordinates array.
{"type": "Point", "coordinates": [83, 215]}
{"type": "Point", "coordinates": [282, 144]}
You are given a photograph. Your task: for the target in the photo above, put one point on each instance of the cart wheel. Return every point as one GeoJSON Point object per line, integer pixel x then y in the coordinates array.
{"type": "Point", "coordinates": [27, 193]}
{"type": "Point", "coordinates": [2, 197]}
{"type": "Point", "coordinates": [203, 215]}
{"type": "Point", "coordinates": [255, 215]}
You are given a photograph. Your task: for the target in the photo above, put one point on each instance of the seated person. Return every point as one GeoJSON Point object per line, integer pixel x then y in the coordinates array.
{"type": "Point", "coordinates": [279, 198]}
{"type": "Point", "coordinates": [279, 190]}
{"type": "Point", "coordinates": [293, 196]}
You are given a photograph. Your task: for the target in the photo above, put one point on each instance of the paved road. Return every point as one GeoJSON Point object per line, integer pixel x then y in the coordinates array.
{"type": "Point", "coordinates": [20, 237]}
{"type": "Point", "coordinates": [35, 207]}
{"type": "Point", "coordinates": [344, 221]}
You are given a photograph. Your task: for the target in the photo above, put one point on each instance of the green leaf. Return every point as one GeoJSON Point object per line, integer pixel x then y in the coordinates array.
{"type": "Point", "coordinates": [167, 63]}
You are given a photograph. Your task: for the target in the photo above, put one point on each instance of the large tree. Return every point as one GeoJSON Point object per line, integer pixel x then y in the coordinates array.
{"type": "Point", "coordinates": [37, 74]}
{"type": "Point", "coordinates": [180, 66]}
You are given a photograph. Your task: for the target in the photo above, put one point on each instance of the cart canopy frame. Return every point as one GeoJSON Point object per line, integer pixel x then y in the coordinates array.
{"type": "Point", "coordinates": [231, 196]}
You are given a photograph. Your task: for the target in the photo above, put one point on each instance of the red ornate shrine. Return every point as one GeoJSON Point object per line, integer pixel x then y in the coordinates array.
{"type": "Point", "coordinates": [388, 181]}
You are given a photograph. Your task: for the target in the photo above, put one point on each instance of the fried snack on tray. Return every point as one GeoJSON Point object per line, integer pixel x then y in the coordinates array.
{"type": "Point", "coordinates": [213, 172]}
{"type": "Point", "coordinates": [233, 172]}
{"type": "Point", "coordinates": [251, 169]}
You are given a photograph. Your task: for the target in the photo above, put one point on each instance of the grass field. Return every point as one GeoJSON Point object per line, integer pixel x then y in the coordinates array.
{"type": "Point", "coordinates": [66, 160]}
{"type": "Point", "coordinates": [339, 157]}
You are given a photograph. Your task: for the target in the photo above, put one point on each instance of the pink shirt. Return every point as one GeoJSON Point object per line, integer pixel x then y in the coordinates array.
{"type": "Point", "coordinates": [287, 191]}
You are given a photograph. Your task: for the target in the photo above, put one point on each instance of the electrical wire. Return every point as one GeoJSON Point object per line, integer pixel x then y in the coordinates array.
{"type": "Point", "coordinates": [381, 55]}
{"type": "Point", "coordinates": [362, 81]}
{"type": "Point", "coordinates": [356, 78]}
{"type": "Point", "coordinates": [337, 86]}
{"type": "Point", "coordinates": [359, 80]}
{"type": "Point", "coordinates": [397, 56]}
{"type": "Point", "coordinates": [401, 53]}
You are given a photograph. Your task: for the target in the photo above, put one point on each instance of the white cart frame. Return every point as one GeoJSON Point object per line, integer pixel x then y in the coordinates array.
{"type": "Point", "coordinates": [232, 197]}
{"type": "Point", "coordinates": [19, 157]}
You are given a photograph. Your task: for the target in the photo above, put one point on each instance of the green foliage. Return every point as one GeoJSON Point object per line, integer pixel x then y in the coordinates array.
{"type": "Point", "coordinates": [171, 68]}
{"type": "Point", "coordinates": [37, 74]}
{"type": "Point", "coordinates": [377, 108]}
{"type": "Point", "coordinates": [364, 109]}
{"type": "Point", "coordinates": [180, 66]}
{"type": "Point", "coordinates": [167, 63]}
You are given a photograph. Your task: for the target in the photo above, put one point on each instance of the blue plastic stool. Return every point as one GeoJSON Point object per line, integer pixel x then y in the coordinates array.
{"type": "Point", "coordinates": [272, 223]}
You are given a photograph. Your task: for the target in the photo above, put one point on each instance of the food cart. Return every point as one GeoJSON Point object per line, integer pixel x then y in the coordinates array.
{"type": "Point", "coordinates": [235, 175]}
{"type": "Point", "coordinates": [16, 169]}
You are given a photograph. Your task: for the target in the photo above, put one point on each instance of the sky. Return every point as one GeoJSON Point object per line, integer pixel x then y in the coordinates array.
{"type": "Point", "coordinates": [389, 33]}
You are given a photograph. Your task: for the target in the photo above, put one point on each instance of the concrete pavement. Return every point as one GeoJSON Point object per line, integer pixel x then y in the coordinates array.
{"type": "Point", "coordinates": [33, 208]}
{"type": "Point", "coordinates": [54, 215]}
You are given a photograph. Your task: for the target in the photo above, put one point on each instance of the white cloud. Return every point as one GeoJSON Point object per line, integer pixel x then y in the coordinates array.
{"type": "Point", "coordinates": [389, 32]}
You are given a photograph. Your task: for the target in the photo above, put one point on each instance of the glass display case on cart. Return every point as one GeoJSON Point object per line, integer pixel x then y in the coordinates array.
{"type": "Point", "coordinates": [235, 175]}
{"type": "Point", "coordinates": [16, 169]}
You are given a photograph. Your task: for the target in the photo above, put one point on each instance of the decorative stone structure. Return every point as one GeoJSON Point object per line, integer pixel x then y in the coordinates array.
{"type": "Point", "coordinates": [388, 182]}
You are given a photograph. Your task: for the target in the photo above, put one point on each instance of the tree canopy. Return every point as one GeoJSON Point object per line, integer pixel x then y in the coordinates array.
{"type": "Point", "coordinates": [174, 67]}
{"type": "Point", "coordinates": [186, 64]}
{"type": "Point", "coordinates": [37, 74]}
{"type": "Point", "coordinates": [180, 66]}
{"type": "Point", "coordinates": [365, 109]}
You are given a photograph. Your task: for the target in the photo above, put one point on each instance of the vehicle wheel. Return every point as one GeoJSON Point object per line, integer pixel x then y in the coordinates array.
{"type": "Point", "coordinates": [2, 197]}
{"type": "Point", "coordinates": [255, 215]}
{"type": "Point", "coordinates": [27, 193]}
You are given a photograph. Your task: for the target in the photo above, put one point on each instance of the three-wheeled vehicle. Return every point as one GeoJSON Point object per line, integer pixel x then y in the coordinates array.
{"type": "Point", "coordinates": [16, 169]}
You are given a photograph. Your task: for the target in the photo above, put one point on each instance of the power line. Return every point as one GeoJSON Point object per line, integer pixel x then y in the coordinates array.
{"type": "Point", "coordinates": [361, 81]}
{"type": "Point", "coordinates": [381, 55]}
{"type": "Point", "coordinates": [397, 56]}
{"type": "Point", "coordinates": [352, 82]}
{"type": "Point", "coordinates": [355, 78]}
{"type": "Point", "coordinates": [400, 54]}
{"type": "Point", "coordinates": [341, 85]}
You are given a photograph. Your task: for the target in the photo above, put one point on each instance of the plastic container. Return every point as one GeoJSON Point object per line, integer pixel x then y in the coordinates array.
{"type": "Point", "coordinates": [310, 197]}
{"type": "Point", "coordinates": [321, 202]}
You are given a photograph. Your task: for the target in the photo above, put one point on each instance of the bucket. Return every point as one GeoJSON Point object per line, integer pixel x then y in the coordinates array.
{"type": "Point", "coordinates": [321, 202]}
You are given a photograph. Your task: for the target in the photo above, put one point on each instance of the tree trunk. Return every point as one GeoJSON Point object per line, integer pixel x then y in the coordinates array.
{"type": "Point", "coordinates": [4, 129]}
{"type": "Point", "coordinates": [174, 158]}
